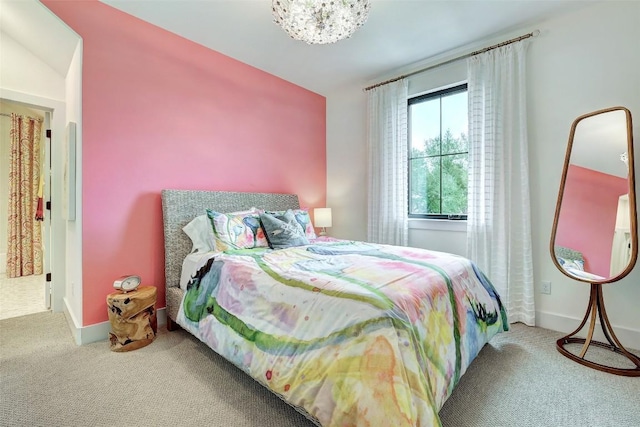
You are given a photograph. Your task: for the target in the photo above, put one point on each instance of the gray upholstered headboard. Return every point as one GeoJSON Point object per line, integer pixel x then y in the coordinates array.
{"type": "Point", "coordinates": [568, 253]}
{"type": "Point", "coordinates": [181, 206]}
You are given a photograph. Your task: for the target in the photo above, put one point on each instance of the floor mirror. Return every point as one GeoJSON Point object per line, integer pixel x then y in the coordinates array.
{"type": "Point", "coordinates": [594, 236]}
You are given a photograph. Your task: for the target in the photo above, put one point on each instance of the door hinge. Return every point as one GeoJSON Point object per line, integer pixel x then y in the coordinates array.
{"type": "Point", "coordinates": [48, 133]}
{"type": "Point", "coordinates": [48, 277]}
{"type": "Point", "coordinates": [49, 205]}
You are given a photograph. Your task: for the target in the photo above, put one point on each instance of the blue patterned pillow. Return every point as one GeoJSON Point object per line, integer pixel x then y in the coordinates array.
{"type": "Point", "coordinates": [283, 231]}
{"type": "Point", "coordinates": [237, 230]}
{"type": "Point", "coordinates": [303, 218]}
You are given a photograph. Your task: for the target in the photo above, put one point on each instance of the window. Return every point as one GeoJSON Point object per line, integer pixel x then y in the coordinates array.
{"type": "Point", "coordinates": [438, 154]}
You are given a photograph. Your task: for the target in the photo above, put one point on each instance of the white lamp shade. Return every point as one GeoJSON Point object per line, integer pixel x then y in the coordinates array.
{"type": "Point", "coordinates": [322, 217]}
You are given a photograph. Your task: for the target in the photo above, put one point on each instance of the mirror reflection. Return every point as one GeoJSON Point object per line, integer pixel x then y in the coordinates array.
{"type": "Point", "coordinates": [593, 239]}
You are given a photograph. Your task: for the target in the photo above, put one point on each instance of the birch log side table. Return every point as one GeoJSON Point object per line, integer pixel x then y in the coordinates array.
{"type": "Point", "coordinates": [133, 318]}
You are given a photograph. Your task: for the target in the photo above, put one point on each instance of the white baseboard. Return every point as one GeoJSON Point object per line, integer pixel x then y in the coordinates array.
{"type": "Point", "coordinates": [72, 321]}
{"type": "Point", "coordinates": [99, 331]}
{"type": "Point", "coordinates": [629, 338]}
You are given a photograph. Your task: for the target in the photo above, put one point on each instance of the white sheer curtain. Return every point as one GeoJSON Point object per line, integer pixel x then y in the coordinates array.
{"type": "Point", "coordinates": [388, 174]}
{"type": "Point", "coordinates": [498, 224]}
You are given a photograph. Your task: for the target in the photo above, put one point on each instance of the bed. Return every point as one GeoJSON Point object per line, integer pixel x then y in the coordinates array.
{"type": "Point", "coordinates": [347, 333]}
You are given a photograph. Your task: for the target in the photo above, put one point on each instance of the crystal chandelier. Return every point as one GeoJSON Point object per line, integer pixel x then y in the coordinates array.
{"type": "Point", "coordinates": [320, 21]}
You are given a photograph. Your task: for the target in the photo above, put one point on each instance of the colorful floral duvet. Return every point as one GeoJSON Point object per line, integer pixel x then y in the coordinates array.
{"type": "Point", "coordinates": [355, 334]}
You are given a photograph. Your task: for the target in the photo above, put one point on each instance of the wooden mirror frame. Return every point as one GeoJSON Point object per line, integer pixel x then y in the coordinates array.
{"type": "Point", "coordinates": [596, 306]}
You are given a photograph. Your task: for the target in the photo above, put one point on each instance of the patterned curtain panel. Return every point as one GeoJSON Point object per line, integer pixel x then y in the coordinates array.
{"type": "Point", "coordinates": [498, 224]}
{"type": "Point", "coordinates": [388, 170]}
{"type": "Point", "coordinates": [24, 248]}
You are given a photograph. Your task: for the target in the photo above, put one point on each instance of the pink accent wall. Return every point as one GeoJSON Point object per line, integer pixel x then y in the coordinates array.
{"type": "Point", "coordinates": [590, 202]}
{"type": "Point", "coordinates": [161, 112]}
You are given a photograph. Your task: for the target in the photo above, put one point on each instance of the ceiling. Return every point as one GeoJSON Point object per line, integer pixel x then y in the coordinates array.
{"type": "Point", "coordinates": [397, 34]}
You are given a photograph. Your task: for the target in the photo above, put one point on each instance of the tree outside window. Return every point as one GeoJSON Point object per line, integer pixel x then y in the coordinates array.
{"type": "Point", "coordinates": [438, 154]}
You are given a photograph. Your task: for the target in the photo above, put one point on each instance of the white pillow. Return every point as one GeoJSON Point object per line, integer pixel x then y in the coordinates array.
{"type": "Point", "coordinates": [200, 232]}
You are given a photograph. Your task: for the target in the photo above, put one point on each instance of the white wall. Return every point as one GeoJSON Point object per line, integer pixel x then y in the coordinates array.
{"type": "Point", "coordinates": [23, 72]}
{"type": "Point", "coordinates": [28, 80]}
{"type": "Point", "coordinates": [346, 163]}
{"type": "Point", "coordinates": [582, 61]}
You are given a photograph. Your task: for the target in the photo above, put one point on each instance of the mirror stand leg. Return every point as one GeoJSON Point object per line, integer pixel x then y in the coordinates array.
{"type": "Point", "coordinates": [596, 308]}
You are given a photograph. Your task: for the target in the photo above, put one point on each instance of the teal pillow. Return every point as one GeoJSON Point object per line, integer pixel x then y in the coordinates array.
{"type": "Point", "coordinates": [283, 231]}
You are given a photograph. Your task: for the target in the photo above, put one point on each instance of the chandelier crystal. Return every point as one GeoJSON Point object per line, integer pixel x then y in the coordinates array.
{"type": "Point", "coordinates": [320, 21]}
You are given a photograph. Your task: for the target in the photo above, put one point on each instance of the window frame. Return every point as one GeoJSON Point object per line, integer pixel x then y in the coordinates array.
{"type": "Point", "coordinates": [440, 93]}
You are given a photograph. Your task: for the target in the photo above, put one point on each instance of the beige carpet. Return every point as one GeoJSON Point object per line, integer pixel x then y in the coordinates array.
{"type": "Point", "coordinates": [46, 380]}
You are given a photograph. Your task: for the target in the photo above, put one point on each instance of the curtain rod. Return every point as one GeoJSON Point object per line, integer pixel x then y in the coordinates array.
{"type": "Point", "coordinates": [29, 117]}
{"type": "Point", "coordinates": [534, 33]}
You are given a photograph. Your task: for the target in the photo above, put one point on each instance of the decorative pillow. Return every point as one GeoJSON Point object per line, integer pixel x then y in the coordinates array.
{"type": "Point", "coordinates": [283, 231]}
{"type": "Point", "coordinates": [303, 218]}
{"type": "Point", "coordinates": [201, 235]}
{"type": "Point", "coordinates": [237, 230]}
{"type": "Point", "coordinates": [575, 264]}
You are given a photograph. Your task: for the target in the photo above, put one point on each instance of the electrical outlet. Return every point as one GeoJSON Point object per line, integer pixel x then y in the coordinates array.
{"type": "Point", "coordinates": [546, 287]}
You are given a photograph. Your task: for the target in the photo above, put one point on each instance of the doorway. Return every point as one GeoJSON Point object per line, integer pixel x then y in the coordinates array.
{"type": "Point", "coordinates": [29, 293]}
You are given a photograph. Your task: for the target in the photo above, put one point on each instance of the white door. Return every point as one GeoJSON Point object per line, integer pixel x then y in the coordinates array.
{"type": "Point", "coordinates": [46, 229]}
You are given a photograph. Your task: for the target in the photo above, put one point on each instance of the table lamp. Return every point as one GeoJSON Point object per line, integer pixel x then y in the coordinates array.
{"type": "Point", "coordinates": [322, 219]}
